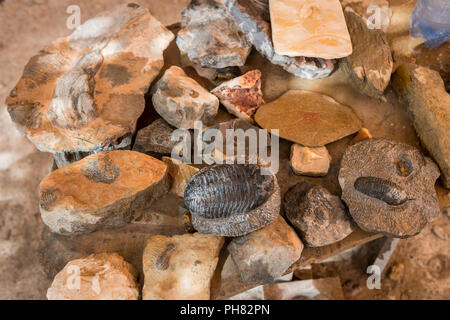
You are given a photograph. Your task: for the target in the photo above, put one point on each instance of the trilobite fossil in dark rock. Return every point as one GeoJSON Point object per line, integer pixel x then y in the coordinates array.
{"type": "Point", "coordinates": [232, 200]}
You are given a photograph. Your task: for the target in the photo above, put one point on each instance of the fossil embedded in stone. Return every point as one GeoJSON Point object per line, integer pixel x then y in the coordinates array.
{"type": "Point", "coordinates": [232, 200]}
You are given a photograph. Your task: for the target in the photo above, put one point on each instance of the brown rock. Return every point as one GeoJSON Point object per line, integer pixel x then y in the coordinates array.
{"type": "Point", "coordinates": [155, 138]}
{"type": "Point", "coordinates": [310, 161]}
{"type": "Point", "coordinates": [308, 118]}
{"type": "Point", "coordinates": [264, 255]}
{"type": "Point", "coordinates": [363, 134]}
{"type": "Point", "coordinates": [370, 65]}
{"type": "Point", "coordinates": [102, 190]}
{"type": "Point", "coordinates": [85, 92]}
{"type": "Point", "coordinates": [179, 173]}
{"type": "Point", "coordinates": [241, 96]}
{"type": "Point", "coordinates": [180, 267]}
{"type": "Point", "coordinates": [181, 101]}
{"type": "Point", "coordinates": [423, 94]}
{"type": "Point", "coordinates": [105, 276]}
{"type": "Point", "coordinates": [397, 271]}
{"type": "Point", "coordinates": [319, 216]}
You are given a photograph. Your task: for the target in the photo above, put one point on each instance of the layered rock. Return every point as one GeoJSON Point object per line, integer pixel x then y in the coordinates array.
{"type": "Point", "coordinates": [105, 276]}
{"type": "Point", "coordinates": [253, 18]}
{"type": "Point", "coordinates": [423, 93]}
{"type": "Point", "coordinates": [370, 65]}
{"type": "Point", "coordinates": [181, 101]}
{"type": "Point", "coordinates": [103, 190]}
{"type": "Point", "coordinates": [210, 37]}
{"type": "Point", "coordinates": [179, 173]}
{"type": "Point", "coordinates": [180, 267]}
{"type": "Point", "coordinates": [84, 93]}
{"type": "Point", "coordinates": [308, 118]}
{"type": "Point", "coordinates": [310, 161]}
{"type": "Point", "coordinates": [155, 138]}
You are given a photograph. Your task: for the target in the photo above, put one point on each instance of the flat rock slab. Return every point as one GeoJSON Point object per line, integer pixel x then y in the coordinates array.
{"type": "Point", "coordinates": [85, 92]}
{"type": "Point", "coordinates": [308, 118]}
{"type": "Point", "coordinates": [310, 28]}
{"type": "Point", "coordinates": [105, 189]}
{"type": "Point", "coordinates": [180, 267]}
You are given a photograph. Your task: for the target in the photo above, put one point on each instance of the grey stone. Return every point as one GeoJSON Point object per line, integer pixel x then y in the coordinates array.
{"type": "Point", "coordinates": [155, 138]}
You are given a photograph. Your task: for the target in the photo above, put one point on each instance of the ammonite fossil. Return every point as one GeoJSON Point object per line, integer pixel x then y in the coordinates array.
{"type": "Point", "coordinates": [232, 200]}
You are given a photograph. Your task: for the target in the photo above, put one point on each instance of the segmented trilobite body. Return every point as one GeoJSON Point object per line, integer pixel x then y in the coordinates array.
{"type": "Point", "coordinates": [381, 189]}
{"type": "Point", "coordinates": [223, 190]}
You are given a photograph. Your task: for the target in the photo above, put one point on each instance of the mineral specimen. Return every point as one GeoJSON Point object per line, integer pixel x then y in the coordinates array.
{"type": "Point", "coordinates": [210, 37]}
{"type": "Point", "coordinates": [310, 161]}
{"type": "Point", "coordinates": [102, 190]}
{"type": "Point", "coordinates": [84, 93]}
{"type": "Point", "coordinates": [253, 18]}
{"type": "Point", "coordinates": [105, 276]}
{"type": "Point", "coordinates": [389, 187]}
{"type": "Point", "coordinates": [311, 28]}
{"type": "Point", "coordinates": [241, 96]}
{"type": "Point", "coordinates": [308, 118]}
{"type": "Point", "coordinates": [422, 92]}
{"type": "Point", "coordinates": [369, 67]}
{"type": "Point", "coordinates": [179, 173]}
{"type": "Point", "coordinates": [319, 216]}
{"type": "Point", "coordinates": [155, 138]}
{"type": "Point", "coordinates": [181, 101]}
{"type": "Point", "coordinates": [180, 267]}
{"type": "Point", "coordinates": [232, 200]}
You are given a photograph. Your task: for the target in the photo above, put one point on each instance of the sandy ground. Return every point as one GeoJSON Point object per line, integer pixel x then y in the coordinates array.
{"type": "Point", "coordinates": [26, 26]}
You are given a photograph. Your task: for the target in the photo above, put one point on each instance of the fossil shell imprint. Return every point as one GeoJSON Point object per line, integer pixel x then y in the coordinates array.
{"type": "Point", "coordinates": [232, 200]}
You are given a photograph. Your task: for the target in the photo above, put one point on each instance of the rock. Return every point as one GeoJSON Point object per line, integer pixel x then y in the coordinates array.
{"type": "Point", "coordinates": [370, 65]}
{"type": "Point", "coordinates": [179, 173]}
{"type": "Point", "coordinates": [264, 255]}
{"type": "Point", "coordinates": [363, 134]}
{"type": "Point", "coordinates": [423, 94]}
{"type": "Point", "coordinates": [440, 232]}
{"type": "Point", "coordinates": [253, 19]}
{"type": "Point", "coordinates": [319, 216]}
{"type": "Point", "coordinates": [397, 271]}
{"type": "Point", "coordinates": [104, 276]}
{"type": "Point", "coordinates": [310, 28]}
{"type": "Point", "coordinates": [84, 93]}
{"type": "Point", "coordinates": [241, 96]}
{"type": "Point", "coordinates": [232, 200]}
{"type": "Point", "coordinates": [376, 13]}
{"type": "Point", "coordinates": [181, 101]}
{"type": "Point", "coordinates": [388, 187]}
{"type": "Point", "coordinates": [308, 118]}
{"type": "Point", "coordinates": [210, 37]}
{"type": "Point", "coordinates": [313, 162]}
{"type": "Point", "coordinates": [155, 138]}
{"type": "Point", "coordinates": [180, 267]}
{"type": "Point", "coordinates": [102, 190]}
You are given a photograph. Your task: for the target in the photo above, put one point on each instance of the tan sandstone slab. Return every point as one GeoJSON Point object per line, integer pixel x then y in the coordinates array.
{"type": "Point", "coordinates": [102, 190]}
{"type": "Point", "coordinates": [310, 28]}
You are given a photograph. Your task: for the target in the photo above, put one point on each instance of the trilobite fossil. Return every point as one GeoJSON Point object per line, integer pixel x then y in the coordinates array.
{"type": "Point", "coordinates": [381, 189]}
{"type": "Point", "coordinates": [232, 200]}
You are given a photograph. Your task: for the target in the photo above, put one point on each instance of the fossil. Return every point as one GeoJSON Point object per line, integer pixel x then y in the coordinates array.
{"type": "Point", "coordinates": [381, 189]}
{"type": "Point", "coordinates": [232, 200]}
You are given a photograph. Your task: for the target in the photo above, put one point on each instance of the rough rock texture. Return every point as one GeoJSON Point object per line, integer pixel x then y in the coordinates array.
{"type": "Point", "coordinates": [181, 101]}
{"type": "Point", "coordinates": [319, 216]}
{"type": "Point", "coordinates": [363, 134]}
{"type": "Point", "coordinates": [370, 65]}
{"type": "Point", "coordinates": [308, 118]}
{"type": "Point", "coordinates": [232, 200]}
{"type": "Point", "coordinates": [423, 94]}
{"type": "Point", "coordinates": [388, 187]}
{"type": "Point", "coordinates": [310, 161]}
{"type": "Point", "coordinates": [105, 276]}
{"type": "Point", "coordinates": [102, 190]}
{"type": "Point", "coordinates": [155, 138]}
{"type": "Point", "coordinates": [264, 255]}
{"type": "Point", "coordinates": [253, 18]}
{"type": "Point", "coordinates": [179, 173]}
{"type": "Point", "coordinates": [210, 37]}
{"type": "Point", "coordinates": [241, 96]}
{"type": "Point", "coordinates": [180, 267]}
{"type": "Point", "coordinates": [84, 93]}
{"type": "Point", "coordinates": [311, 28]}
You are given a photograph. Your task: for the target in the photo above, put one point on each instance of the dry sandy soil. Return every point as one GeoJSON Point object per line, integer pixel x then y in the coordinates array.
{"type": "Point", "coordinates": [26, 26]}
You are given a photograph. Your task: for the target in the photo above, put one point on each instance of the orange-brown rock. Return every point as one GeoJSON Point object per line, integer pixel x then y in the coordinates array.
{"type": "Point", "coordinates": [180, 173]}
{"type": "Point", "coordinates": [102, 190]}
{"type": "Point", "coordinates": [180, 267]}
{"type": "Point", "coordinates": [363, 134]}
{"type": "Point", "coordinates": [105, 276]}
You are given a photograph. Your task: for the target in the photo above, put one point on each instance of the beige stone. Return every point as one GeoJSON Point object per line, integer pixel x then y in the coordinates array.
{"type": "Point", "coordinates": [180, 267]}
{"type": "Point", "coordinates": [105, 276]}
{"type": "Point", "coordinates": [310, 28]}
{"type": "Point", "coordinates": [363, 134]}
{"type": "Point", "coordinates": [179, 173]}
{"type": "Point", "coordinates": [310, 161]}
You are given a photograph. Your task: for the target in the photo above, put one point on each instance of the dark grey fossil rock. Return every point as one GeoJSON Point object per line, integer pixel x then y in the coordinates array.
{"type": "Point", "coordinates": [389, 187]}
{"type": "Point", "coordinates": [232, 200]}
